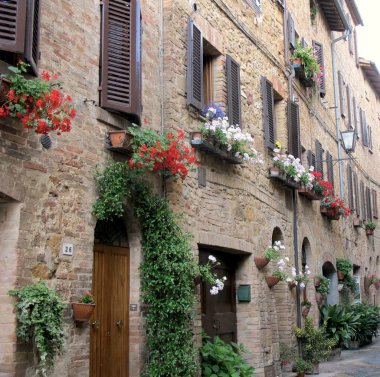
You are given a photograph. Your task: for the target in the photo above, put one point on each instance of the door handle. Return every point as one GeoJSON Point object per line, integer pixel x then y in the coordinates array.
{"type": "Point", "coordinates": [119, 323]}
{"type": "Point", "coordinates": [95, 324]}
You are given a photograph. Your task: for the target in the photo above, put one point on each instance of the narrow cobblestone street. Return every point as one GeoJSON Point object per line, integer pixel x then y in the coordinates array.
{"type": "Point", "coordinates": [364, 362]}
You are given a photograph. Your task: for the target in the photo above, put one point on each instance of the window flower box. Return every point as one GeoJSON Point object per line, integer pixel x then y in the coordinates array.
{"type": "Point", "coordinates": [120, 141]}
{"type": "Point", "coordinates": [300, 73]}
{"type": "Point", "coordinates": [308, 193]}
{"type": "Point", "coordinates": [281, 176]}
{"type": "Point", "coordinates": [330, 213]}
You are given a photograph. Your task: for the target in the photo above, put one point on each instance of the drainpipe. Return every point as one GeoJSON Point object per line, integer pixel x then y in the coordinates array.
{"type": "Point", "coordinates": [335, 79]}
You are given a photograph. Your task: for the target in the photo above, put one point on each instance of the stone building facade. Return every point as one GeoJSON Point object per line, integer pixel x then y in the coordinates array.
{"type": "Point", "coordinates": [232, 211]}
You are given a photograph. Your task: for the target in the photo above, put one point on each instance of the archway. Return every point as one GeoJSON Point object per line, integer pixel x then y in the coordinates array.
{"type": "Point", "coordinates": [277, 235]}
{"type": "Point", "coordinates": [329, 271]}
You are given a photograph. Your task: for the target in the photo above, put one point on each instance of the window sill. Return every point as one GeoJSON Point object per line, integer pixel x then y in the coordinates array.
{"type": "Point", "coordinates": [111, 119]}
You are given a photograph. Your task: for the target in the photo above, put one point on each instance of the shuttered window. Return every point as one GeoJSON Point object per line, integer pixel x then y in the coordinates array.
{"type": "Point", "coordinates": [368, 203]}
{"type": "Point", "coordinates": [330, 168]}
{"type": "Point", "coordinates": [356, 49]}
{"type": "Point", "coordinates": [349, 112]}
{"type": "Point", "coordinates": [363, 128]}
{"type": "Point", "coordinates": [362, 195]}
{"type": "Point", "coordinates": [374, 204]}
{"type": "Point", "coordinates": [233, 90]}
{"type": "Point", "coordinates": [291, 32]}
{"type": "Point", "coordinates": [294, 139]}
{"type": "Point", "coordinates": [120, 81]}
{"type": "Point", "coordinates": [342, 96]}
{"type": "Point", "coordinates": [318, 51]}
{"type": "Point", "coordinates": [355, 113]}
{"type": "Point", "coordinates": [356, 191]}
{"type": "Point", "coordinates": [195, 67]}
{"type": "Point", "coordinates": [269, 115]}
{"type": "Point", "coordinates": [350, 188]}
{"type": "Point", "coordinates": [256, 5]}
{"type": "Point", "coordinates": [319, 157]}
{"type": "Point", "coordinates": [369, 137]}
{"type": "Point", "coordinates": [20, 29]}
{"type": "Point", "coordinates": [311, 159]}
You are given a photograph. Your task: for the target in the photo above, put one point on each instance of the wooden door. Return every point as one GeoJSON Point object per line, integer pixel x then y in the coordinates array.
{"type": "Point", "coordinates": [110, 323]}
{"type": "Point", "coordinates": [219, 311]}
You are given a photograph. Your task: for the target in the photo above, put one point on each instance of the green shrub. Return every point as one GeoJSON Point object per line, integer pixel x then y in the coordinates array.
{"type": "Point", "coordinates": [301, 365]}
{"type": "Point", "coordinates": [324, 286]}
{"type": "Point", "coordinates": [368, 322]}
{"type": "Point", "coordinates": [344, 265]}
{"type": "Point", "coordinates": [40, 320]}
{"type": "Point", "coordinates": [220, 359]}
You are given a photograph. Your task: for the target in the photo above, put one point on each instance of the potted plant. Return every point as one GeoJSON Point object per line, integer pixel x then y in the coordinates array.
{"type": "Point", "coordinates": [322, 289]}
{"type": "Point", "coordinates": [301, 279]}
{"type": "Point", "coordinates": [333, 207]}
{"type": "Point", "coordinates": [83, 309]}
{"type": "Point", "coordinates": [120, 139]}
{"type": "Point", "coordinates": [302, 366]}
{"type": "Point", "coordinates": [287, 357]}
{"type": "Point", "coordinates": [271, 253]}
{"type": "Point", "coordinates": [319, 189]}
{"type": "Point", "coordinates": [306, 305]}
{"type": "Point", "coordinates": [205, 273]}
{"type": "Point", "coordinates": [369, 228]}
{"type": "Point", "coordinates": [305, 65]}
{"type": "Point", "coordinates": [277, 275]}
{"type": "Point", "coordinates": [344, 268]}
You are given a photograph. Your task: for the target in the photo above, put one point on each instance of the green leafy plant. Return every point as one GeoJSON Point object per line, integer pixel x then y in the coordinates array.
{"type": "Point", "coordinates": [274, 252]}
{"type": "Point", "coordinates": [308, 62]}
{"type": "Point", "coordinates": [40, 320]}
{"type": "Point", "coordinates": [87, 298]}
{"type": "Point", "coordinates": [324, 286]}
{"type": "Point", "coordinates": [206, 274]}
{"type": "Point", "coordinates": [301, 365]}
{"type": "Point", "coordinates": [220, 359]}
{"type": "Point", "coordinates": [368, 323]}
{"type": "Point", "coordinates": [306, 304]}
{"type": "Point", "coordinates": [287, 354]}
{"type": "Point", "coordinates": [370, 225]}
{"type": "Point", "coordinates": [344, 265]}
{"type": "Point", "coordinates": [316, 346]}
{"type": "Point", "coordinates": [313, 13]}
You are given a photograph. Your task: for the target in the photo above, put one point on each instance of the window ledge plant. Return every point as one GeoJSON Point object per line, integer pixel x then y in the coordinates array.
{"type": "Point", "coordinates": [370, 227]}
{"type": "Point", "coordinates": [333, 207]}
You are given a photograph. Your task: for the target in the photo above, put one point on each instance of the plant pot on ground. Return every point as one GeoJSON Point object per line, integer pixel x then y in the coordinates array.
{"type": "Point", "coordinates": [301, 366]}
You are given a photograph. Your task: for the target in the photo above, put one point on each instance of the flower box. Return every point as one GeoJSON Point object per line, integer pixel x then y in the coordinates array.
{"type": "Point", "coordinates": [281, 176]}
{"type": "Point", "coordinates": [120, 141]}
{"type": "Point", "coordinates": [213, 148]}
{"type": "Point", "coordinates": [261, 262]}
{"type": "Point", "coordinates": [272, 280]}
{"type": "Point", "coordinates": [82, 312]}
{"type": "Point", "coordinates": [330, 213]}
{"type": "Point", "coordinates": [300, 73]}
{"type": "Point", "coordinates": [310, 194]}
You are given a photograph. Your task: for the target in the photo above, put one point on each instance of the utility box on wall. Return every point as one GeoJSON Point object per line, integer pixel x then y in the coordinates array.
{"type": "Point", "coordinates": [244, 293]}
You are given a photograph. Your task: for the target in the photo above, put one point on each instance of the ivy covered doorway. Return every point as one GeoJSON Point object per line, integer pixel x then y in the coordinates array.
{"type": "Point", "coordinates": [219, 310]}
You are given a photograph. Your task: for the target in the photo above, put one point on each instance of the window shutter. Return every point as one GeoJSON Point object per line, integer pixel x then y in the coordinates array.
{"type": "Point", "coordinates": [356, 189]}
{"type": "Point", "coordinates": [341, 95]}
{"type": "Point", "coordinates": [291, 32]}
{"type": "Point", "coordinates": [32, 43]}
{"type": "Point", "coordinates": [356, 49]}
{"type": "Point", "coordinates": [349, 107]}
{"type": "Point", "coordinates": [363, 126]}
{"type": "Point", "coordinates": [195, 66]}
{"type": "Point", "coordinates": [350, 189]}
{"type": "Point", "coordinates": [369, 137]}
{"type": "Point", "coordinates": [12, 25]}
{"type": "Point", "coordinates": [121, 56]}
{"type": "Point", "coordinates": [355, 111]}
{"type": "Point", "coordinates": [311, 159]}
{"type": "Point", "coordinates": [268, 108]}
{"type": "Point", "coordinates": [362, 194]}
{"type": "Point", "coordinates": [368, 202]}
{"type": "Point", "coordinates": [318, 51]}
{"type": "Point", "coordinates": [294, 139]}
{"type": "Point", "coordinates": [330, 168]}
{"type": "Point", "coordinates": [319, 157]}
{"type": "Point", "coordinates": [350, 44]}
{"type": "Point", "coordinates": [233, 91]}
{"type": "Point", "coordinates": [374, 204]}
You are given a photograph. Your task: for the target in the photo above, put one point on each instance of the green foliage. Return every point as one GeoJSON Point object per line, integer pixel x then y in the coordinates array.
{"type": "Point", "coordinates": [301, 365]}
{"type": "Point", "coordinates": [313, 13]}
{"type": "Point", "coordinates": [370, 225]}
{"type": "Point", "coordinates": [282, 275]}
{"type": "Point", "coordinates": [316, 347]}
{"type": "Point", "coordinates": [324, 286]}
{"type": "Point", "coordinates": [40, 320]}
{"type": "Point", "coordinates": [306, 304]}
{"type": "Point", "coordinates": [344, 265]}
{"type": "Point", "coordinates": [340, 323]}
{"type": "Point", "coordinates": [220, 359]}
{"type": "Point", "coordinates": [287, 354]}
{"type": "Point", "coordinates": [145, 136]}
{"type": "Point", "coordinates": [368, 322]}
{"type": "Point", "coordinates": [272, 254]}
{"type": "Point", "coordinates": [308, 61]}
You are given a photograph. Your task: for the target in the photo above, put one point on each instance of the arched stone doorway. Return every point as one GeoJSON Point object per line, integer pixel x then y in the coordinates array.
{"type": "Point", "coordinates": [329, 271]}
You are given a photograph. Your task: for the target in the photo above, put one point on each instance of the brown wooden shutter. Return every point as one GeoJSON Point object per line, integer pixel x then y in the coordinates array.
{"type": "Point", "coordinates": [294, 139]}
{"type": "Point", "coordinates": [369, 137]}
{"type": "Point", "coordinates": [342, 96]}
{"type": "Point", "coordinates": [32, 43]}
{"type": "Point", "coordinates": [330, 168]}
{"type": "Point", "coordinates": [268, 109]}
{"type": "Point", "coordinates": [368, 203]}
{"type": "Point", "coordinates": [319, 157]}
{"type": "Point", "coordinates": [374, 204]}
{"type": "Point", "coordinates": [362, 194]}
{"type": "Point", "coordinates": [355, 112]}
{"type": "Point", "coordinates": [349, 112]}
{"type": "Point", "coordinates": [233, 91]}
{"type": "Point", "coordinates": [291, 32]}
{"type": "Point", "coordinates": [195, 66]}
{"type": "Point", "coordinates": [12, 25]}
{"type": "Point", "coordinates": [318, 51]}
{"type": "Point", "coordinates": [356, 49]}
{"type": "Point", "coordinates": [363, 127]}
{"type": "Point", "coordinates": [311, 159]}
{"type": "Point", "coordinates": [350, 188]}
{"type": "Point", "coordinates": [356, 190]}
{"type": "Point", "coordinates": [121, 56]}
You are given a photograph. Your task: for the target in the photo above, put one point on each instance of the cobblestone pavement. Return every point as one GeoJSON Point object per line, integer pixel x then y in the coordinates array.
{"type": "Point", "coordinates": [364, 362]}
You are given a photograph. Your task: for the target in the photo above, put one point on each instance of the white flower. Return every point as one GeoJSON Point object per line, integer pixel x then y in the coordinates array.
{"type": "Point", "coordinates": [214, 290]}
{"type": "Point", "coordinates": [289, 280]}
{"type": "Point", "coordinates": [224, 278]}
{"type": "Point", "coordinates": [287, 259]}
{"type": "Point", "coordinates": [302, 284]}
{"type": "Point", "coordinates": [212, 258]}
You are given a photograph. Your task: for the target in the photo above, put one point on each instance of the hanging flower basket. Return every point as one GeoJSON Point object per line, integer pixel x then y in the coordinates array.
{"type": "Point", "coordinates": [261, 262]}
{"type": "Point", "coordinates": [272, 280]}
{"type": "Point", "coordinates": [82, 312]}
{"type": "Point", "coordinates": [310, 194]}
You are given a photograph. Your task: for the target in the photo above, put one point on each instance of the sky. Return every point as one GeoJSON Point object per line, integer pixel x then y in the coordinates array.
{"type": "Point", "coordinates": [368, 35]}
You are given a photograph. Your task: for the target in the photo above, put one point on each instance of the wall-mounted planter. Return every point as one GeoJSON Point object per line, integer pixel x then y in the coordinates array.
{"type": "Point", "coordinates": [369, 232]}
{"type": "Point", "coordinates": [317, 282]}
{"type": "Point", "coordinates": [310, 194]}
{"type": "Point", "coordinates": [330, 213]}
{"type": "Point", "coordinates": [305, 311]}
{"type": "Point", "coordinates": [120, 141]}
{"type": "Point", "coordinates": [272, 280]}
{"type": "Point", "coordinates": [212, 147]}
{"type": "Point", "coordinates": [356, 222]}
{"type": "Point", "coordinates": [300, 73]}
{"type": "Point", "coordinates": [261, 262]}
{"type": "Point", "coordinates": [340, 275]}
{"type": "Point", "coordinates": [82, 312]}
{"type": "Point", "coordinates": [277, 174]}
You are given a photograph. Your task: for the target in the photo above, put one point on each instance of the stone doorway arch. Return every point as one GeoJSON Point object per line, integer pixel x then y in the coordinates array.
{"type": "Point", "coordinates": [329, 271]}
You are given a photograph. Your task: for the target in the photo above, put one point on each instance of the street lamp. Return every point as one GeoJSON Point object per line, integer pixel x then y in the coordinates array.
{"type": "Point", "coordinates": [348, 140]}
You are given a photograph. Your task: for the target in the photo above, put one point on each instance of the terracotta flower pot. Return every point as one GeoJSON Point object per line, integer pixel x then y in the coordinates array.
{"type": "Point", "coordinates": [368, 231]}
{"type": "Point", "coordinates": [317, 282]}
{"type": "Point", "coordinates": [333, 214]}
{"type": "Point", "coordinates": [261, 262]}
{"type": "Point", "coordinates": [196, 135]}
{"type": "Point", "coordinates": [82, 312]}
{"type": "Point", "coordinates": [119, 138]}
{"type": "Point", "coordinates": [305, 311]}
{"type": "Point", "coordinates": [272, 280]}
{"type": "Point", "coordinates": [301, 374]}
{"type": "Point", "coordinates": [274, 172]}
{"type": "Point", "coordinates": [323, 210]}
{"type": "Point", "coordinates": [340, 275]}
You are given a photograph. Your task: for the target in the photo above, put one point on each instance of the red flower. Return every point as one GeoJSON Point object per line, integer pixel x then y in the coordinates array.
{"type": "Point", "coordinates": [45, 76]}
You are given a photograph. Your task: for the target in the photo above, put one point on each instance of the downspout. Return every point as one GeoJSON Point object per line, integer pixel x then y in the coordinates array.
{"type": "Point", "coordinates": [335, 79]}
{"type": "Point", "coordinates": [161, 74]}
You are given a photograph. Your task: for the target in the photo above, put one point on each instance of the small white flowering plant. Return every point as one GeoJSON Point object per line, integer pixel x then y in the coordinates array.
{"type": "Point", "coordinates": [207, 275]}
{"type": "Point", "coordinates": [231, 137]}
{"type": "Point", "coordinates": [292, 167]}
{"type": "Point", "coordinates": [302, 278]}
{"type": "Point", "coordinates": [274, 252]}
{"type": "Point", "coordinates": [280, 272]}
